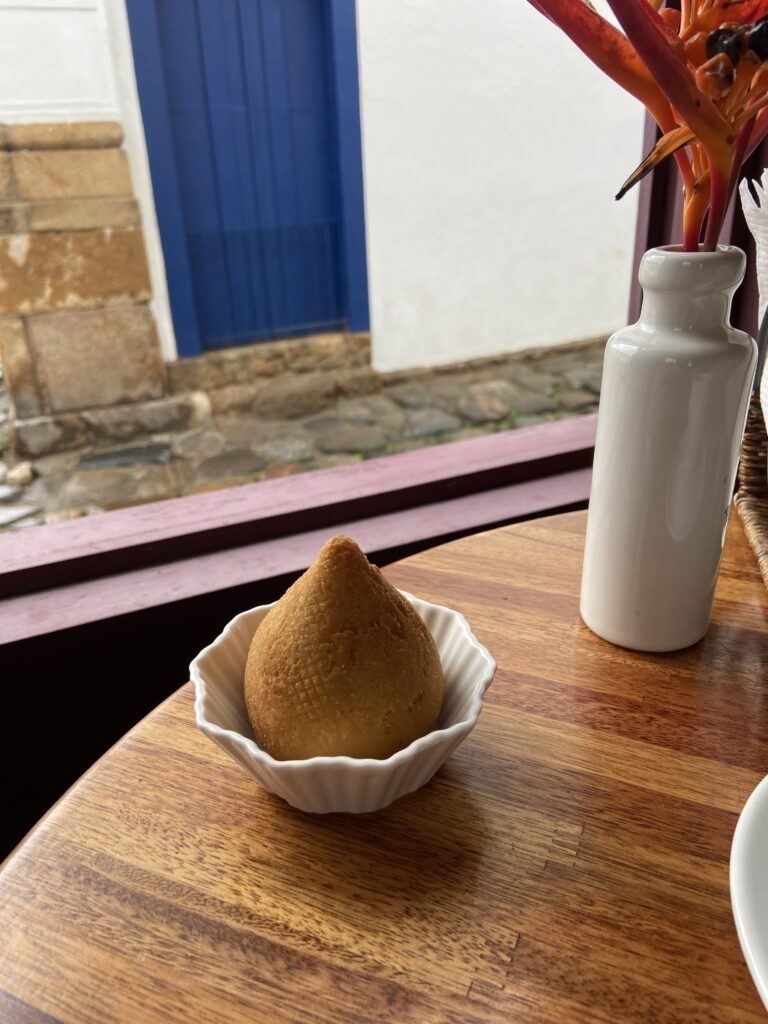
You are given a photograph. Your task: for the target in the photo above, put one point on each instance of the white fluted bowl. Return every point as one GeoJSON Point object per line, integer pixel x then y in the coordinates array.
{"type": "Point", "coordinates": [325, 784]}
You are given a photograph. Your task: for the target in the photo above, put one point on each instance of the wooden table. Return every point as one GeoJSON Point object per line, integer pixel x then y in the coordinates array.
{"type": "Point", "coordinates": [569, 863]}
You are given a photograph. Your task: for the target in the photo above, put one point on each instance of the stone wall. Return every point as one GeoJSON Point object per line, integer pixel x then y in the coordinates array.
{"type": "Point", "coordinates": [288, 378]}
{"type": "Point", "coordinates": [77, 338]}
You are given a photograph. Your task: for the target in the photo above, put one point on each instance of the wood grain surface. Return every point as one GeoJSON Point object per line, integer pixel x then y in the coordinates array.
{"type": "Point", "coordinates": [569, 863]}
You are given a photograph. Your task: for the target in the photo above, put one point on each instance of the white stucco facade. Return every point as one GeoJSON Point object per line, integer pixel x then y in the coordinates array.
{"type": "Point", "coordinates": [492, 150]}
{"type": "Point", "coordinates": [55, 62]}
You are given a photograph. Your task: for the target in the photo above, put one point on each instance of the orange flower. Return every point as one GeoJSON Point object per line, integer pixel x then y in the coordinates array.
{"type": "Point", "coordinates": [701, 74]}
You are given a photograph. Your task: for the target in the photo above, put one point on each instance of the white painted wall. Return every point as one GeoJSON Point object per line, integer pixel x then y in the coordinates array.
{"type": "Point", "coordinates": [71, 60]}
{"type": "Point", "coordinates": [136, 145]}
{"type": "Point", "coordinates": [492, 150]}
{"type": "Point", "coordinates": [55, 62]}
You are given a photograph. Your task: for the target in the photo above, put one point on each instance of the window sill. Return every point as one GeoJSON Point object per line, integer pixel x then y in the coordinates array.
{"type": "Point", "coordinates": [67, 574]}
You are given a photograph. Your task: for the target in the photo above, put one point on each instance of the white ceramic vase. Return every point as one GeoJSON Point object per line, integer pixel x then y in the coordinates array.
{"type": "Point", "coordinates": [673, 406]}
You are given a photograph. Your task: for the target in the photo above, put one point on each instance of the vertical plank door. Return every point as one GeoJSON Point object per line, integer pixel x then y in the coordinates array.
{"type": "Point", "coordinates": [241, 103]}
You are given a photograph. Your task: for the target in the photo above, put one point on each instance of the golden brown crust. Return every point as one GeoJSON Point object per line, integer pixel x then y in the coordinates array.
{"type": "Point", "coordinates": [342, 664]}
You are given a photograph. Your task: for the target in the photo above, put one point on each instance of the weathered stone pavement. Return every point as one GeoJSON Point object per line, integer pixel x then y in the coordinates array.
{"type": "Point", "coordinates": [293, 428]}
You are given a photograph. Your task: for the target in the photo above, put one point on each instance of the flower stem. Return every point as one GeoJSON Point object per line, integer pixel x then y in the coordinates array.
{"type": "Point", "coordinates": [740, 152]}
{"type": "Point", "coordinates": [685, 15]}
{"type": "Point", "coordinates": [718, 204]}
{"type": "Point", "coordinates": [693, 215]}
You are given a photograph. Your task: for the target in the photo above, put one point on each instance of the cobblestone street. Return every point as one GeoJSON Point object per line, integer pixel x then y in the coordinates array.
{"type": "Point", "coordinates": [307, 427]}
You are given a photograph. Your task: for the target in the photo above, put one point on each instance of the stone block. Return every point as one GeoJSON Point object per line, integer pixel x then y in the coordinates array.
{"type": "Point", "coordinates": [592, 381]}
{"type": "Point", "coordinates": [8, 493]}
{"type": "Point", "coordinates": [78, 135]}
{"type": "Point", "coordinates": [55, 467]}
{"type": "Point", "coordinates": [79, 214]}
{"type": "Point", "coordinates": [98, 357]}
{"type": "Point", "coordinates": [71, 173]}
{"type": "Point", "coordinates": [326, 352]}
{"type": "Point", "coordinates": [119, 487]}
{"type": "Point", "coordinates": [44, 435]}
{"type": "Point", "coordinates": [352, 383]}
{"type": "Point", "coordinates": [410, 395]}
{"type": "Point", "coordinates": [290, 397]}
{"type": "Point", "coordinates": [374, 411]}
{"type": "Point", "coordinates": [561, 360]}
{"type": "Point", "coordinates": [239, 464]}
{"type": "Point", "coordinates": [21, 475]}
{"type": "Point", "coordinates": [7, 185]}
{"type": "Point", "coordinates": [429, 422]}
{"type": "Point", "coordinates": [286, 449]}
{"type": "Point", "coordinates": [226, 368]}
{"type": "Point", "coordinates": [13, 513]}
{"type": "Point", "coordinates": [14, 218]}
{"type": "Point", "coordinates": [42, 272]}
{"type": "Point", "coordinates": [533, 404]}
{"type": "Point", "coordinates": [306, 355]}
{"type": "Point", "coordinates": [247, 431]}
{"type": "Point", "coordinates": [136, 455]}
{"type": "Point", "coordinates": [324, 424]}
{"type": "Point", "coordinates": [370, 409]}
{"type": "Point", "coordinates": [533, 380]}
{"type": "Point", "coordinates": [349, 438]}
{"type": "Point", "coordinates": [488, 401]}
{"type": "Point", "coordinates": [359, 348]}
{"type": "Point", "coordinates": [19, 369]}
{"type": "Point", "coordinates": [575, 400]}
{"type": "Point", "coordinates": [481, 407]}
{"type": "Point", "coordinates": [444, 393]}
{"type": "Point", "coordinates": [280, 469]}
{"type": "Point", "coordinates": [500, 389]}
{"type": "Point", "coordinates": [248, 363]}
{"type": "Point", "coordinates": [234, 397]}
{"type": "Point", "coordinates": [125, 422]}
{"type": "Point", "coordinates": [198, 444]}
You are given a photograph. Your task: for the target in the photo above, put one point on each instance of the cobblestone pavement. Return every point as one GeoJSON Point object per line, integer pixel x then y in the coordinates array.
{"type": "Point", "coordinates": [409, 411]}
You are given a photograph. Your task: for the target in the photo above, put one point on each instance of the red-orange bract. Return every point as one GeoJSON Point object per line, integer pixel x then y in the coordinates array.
{"type": "Point", "coordinates": [702, 73]}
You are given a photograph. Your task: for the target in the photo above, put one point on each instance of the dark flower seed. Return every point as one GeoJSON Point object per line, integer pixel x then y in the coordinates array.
{"type": "Point", "coordinates": [727, 41]}
{"type": "Point", "coordinates": [757, 39]}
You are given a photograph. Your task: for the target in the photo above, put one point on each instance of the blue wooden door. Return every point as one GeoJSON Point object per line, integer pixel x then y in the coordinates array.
{"type": "Point", "coordinates": [252, 123]}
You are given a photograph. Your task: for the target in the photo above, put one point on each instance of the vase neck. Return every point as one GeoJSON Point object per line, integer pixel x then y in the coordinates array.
{"type": "Point", "coordinates": [686, 312]}
{"type": "Point", "coordinates": [688, 292]}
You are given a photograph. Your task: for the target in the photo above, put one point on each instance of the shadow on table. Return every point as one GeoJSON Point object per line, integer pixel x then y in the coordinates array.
{"type": "Point", "coordinates": [389, 863]}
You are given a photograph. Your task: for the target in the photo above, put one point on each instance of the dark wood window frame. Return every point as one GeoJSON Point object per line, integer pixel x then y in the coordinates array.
{"type": "Point", "coordinates": [68, 574]}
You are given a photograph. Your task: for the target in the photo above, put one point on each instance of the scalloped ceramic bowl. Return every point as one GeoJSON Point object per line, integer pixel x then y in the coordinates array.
{"type": "Point", "coordinates": [325, 784]}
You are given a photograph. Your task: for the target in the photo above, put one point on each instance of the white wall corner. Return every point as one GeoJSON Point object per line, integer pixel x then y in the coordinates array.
{"type": "Point", "coordinates": [54, 62]}
{"type": "Point", "coordinates": [136, 146]}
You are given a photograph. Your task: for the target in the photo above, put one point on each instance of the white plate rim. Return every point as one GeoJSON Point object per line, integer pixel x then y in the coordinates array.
{"type": "Point", "coordinates": [753, 935]}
